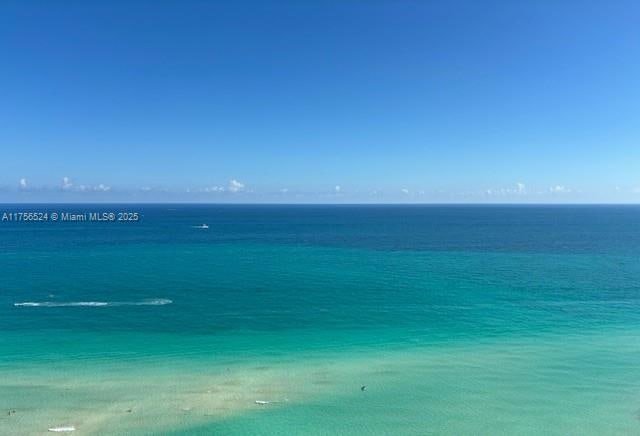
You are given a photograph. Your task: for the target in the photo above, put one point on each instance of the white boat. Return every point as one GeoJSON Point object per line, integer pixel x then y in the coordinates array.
{"type": "Point", "coordinates": [201, 226]}
{"type": "Point", "coordinates": [62, 429]}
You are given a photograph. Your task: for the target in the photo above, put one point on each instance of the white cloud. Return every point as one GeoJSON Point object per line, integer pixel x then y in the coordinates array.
{"type": "Point", "coordinates": [284, 190]}
{"type": "Point", "coordinates": [559, 189]}
{"type": "Point", "coordinates": [66, 183]}
{"type": "Point", "coordinates": [404, 190]}
{"type": "Point", "coordinates": [337, 188]}
{"type": "Point", "coordinates": [23, 183]}
{"type": "Point", "coordinates": [97, 188]}
{"type": "Point", "coordinates": [519, 189]}
{"type": "Point", "coordinates": [213, 189]}
{"type": "Point", "coordinates": [235, 186]}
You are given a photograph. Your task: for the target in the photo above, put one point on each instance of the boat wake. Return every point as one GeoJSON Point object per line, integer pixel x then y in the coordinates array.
{"type": "Point", "coordinates": [150, 302]}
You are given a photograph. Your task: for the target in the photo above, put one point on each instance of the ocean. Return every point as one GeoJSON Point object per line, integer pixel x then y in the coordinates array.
{"type": "Point", "coordinates": [321, 320]}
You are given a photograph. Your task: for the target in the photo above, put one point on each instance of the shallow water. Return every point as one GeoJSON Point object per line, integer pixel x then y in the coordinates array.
{"type": "Point", "coordinates": [458, 320]}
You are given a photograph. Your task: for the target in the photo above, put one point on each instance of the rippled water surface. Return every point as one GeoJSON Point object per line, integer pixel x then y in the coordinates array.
{"type": "Point", "coordinates": [455, 320]}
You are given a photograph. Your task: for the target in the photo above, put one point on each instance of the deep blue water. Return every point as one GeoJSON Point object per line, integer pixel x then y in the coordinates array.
{"type": "Point", "coordinates": [426, 268]}
{"type": "Point", "coordinates": [528, 229]}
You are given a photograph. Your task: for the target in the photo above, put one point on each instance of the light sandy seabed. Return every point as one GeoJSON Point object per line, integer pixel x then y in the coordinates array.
{"type": "Point", "coordinates": [504, 386]}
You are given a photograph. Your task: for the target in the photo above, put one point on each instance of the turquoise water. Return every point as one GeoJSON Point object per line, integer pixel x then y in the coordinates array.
{"type": "Point", "coordinates": [458, 320]}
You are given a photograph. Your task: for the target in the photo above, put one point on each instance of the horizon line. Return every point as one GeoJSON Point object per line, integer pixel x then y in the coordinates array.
{"type": "Point", "coordinates": [314, 204]}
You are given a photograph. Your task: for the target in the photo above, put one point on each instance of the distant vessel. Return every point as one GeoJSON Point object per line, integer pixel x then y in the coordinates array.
{"type": "Point", "coordinates": [201, 226]}
{"type": "Point", "coordinates": [62, 429]}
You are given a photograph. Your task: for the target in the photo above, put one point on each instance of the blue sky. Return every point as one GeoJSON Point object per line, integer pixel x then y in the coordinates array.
{"type": "Point", "coordinates": [320, 101]}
